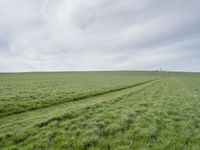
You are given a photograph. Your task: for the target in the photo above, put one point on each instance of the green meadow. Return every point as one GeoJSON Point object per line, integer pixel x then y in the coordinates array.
{"type": "Point", "coordinates": [114, 110]}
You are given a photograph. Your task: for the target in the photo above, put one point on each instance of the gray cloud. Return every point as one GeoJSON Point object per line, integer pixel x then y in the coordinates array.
{"type": "Point", "coordinates": [99, 35]}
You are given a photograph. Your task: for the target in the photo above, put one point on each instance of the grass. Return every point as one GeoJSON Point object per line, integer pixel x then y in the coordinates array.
{"type": "Point", "coordinates": [28, 91]}
{"type": "Point", "coordinates": [159, 114]}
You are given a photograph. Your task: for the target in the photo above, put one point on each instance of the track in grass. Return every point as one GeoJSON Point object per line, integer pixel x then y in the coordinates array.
{"type": "Point", "coordinates": [27, 119]}
{"type": "Point", "coordinates": [30, 91]}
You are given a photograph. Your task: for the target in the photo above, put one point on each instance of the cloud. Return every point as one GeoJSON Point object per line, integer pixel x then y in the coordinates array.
{"type": "Point", "coordinates": [99, 35]}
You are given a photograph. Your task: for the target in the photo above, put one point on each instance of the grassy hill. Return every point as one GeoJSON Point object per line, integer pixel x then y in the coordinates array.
{"type": "Point", "coordinates": [100, 110]}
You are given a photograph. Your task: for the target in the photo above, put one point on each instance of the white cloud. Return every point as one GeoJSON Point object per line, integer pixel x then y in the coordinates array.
{"type": "Point", "coordinates": [98, 35]}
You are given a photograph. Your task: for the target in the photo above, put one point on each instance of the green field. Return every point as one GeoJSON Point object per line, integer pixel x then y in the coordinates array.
{"type": "Point", "coordinates": [100, 110]}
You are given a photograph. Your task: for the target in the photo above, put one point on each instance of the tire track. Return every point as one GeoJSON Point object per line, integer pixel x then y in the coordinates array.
{"type": "Point", "coordinates": [29, 119]}
{"type": "Point", "coordinates": [78, 98]}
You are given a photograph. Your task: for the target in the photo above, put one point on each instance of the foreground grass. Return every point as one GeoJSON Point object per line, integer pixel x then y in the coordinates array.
{"type": "Point", "coordinates": [163, 114]}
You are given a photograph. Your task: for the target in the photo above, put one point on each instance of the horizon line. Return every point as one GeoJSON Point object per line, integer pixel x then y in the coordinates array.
{"type": "Point", "coordinates": [63, 71]}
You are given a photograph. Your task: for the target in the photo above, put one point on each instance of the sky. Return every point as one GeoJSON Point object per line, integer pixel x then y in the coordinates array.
{"type": "Point", "coordinates": [70, 35]}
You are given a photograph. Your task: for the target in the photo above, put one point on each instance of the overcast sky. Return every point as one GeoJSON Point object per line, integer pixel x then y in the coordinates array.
{"type": "Point", "coordinates": [41, 35]}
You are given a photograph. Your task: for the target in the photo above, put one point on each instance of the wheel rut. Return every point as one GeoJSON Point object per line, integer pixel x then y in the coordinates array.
{"type": "Point", "coordinates": [28, 119]}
